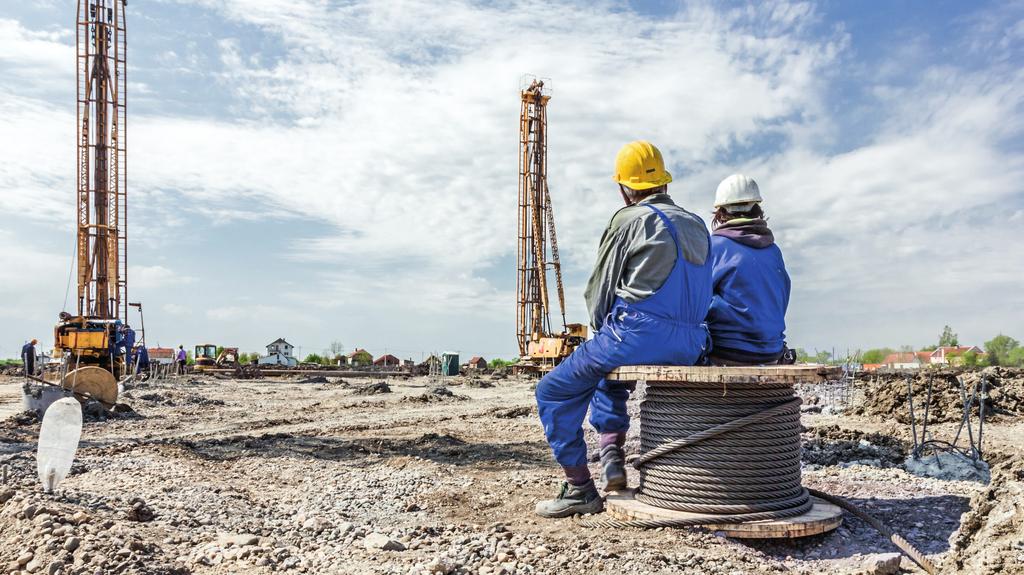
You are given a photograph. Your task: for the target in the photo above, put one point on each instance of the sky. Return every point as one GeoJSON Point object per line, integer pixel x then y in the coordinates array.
{"type": "Point", "coordinates": [329, 171]}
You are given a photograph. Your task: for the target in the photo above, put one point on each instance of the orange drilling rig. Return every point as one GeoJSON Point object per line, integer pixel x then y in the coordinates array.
{"type": "Point", "coordinates": [88, 341]}
{"type": "Point", "coordinates": [540, 348]}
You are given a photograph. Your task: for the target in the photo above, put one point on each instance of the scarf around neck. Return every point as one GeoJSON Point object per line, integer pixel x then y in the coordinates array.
{"type": "Point", "coordinates": [753, 232]}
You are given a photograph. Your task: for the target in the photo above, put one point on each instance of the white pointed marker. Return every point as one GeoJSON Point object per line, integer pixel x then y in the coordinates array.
{"type": "Point", "coordinates": [58, 441]}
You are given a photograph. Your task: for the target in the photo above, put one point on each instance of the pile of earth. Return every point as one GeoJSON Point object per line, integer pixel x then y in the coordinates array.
{"type": "Point", "coordinates": [373, 389]}
{"type": "Point", "coordinates": [436, 395]}
{"type": "Point", "coordinates": [513, 412]}
{"type": "Point", "coordinates": [22, 418]}
{"type": "Point", "coordinates": [885, 395]}
{"type": "Point", "coordinates": [832, 445]}
{"type": "Point", "coordinates": [172, 398]}
{"type": "Point", "coordinates": [991, 535]}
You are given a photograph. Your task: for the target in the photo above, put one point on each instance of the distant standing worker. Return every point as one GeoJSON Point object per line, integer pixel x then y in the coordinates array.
{"type": "Point", "coordinates": [140, 358]}
{"type": "Point", "coordinates": [647, 296]}
{"type": "Point", "coordinates": [747, 317]}
{"type": "Point", "coordinates": [182, 359]}
{"type": "Point", "coordinates": [28, 357]}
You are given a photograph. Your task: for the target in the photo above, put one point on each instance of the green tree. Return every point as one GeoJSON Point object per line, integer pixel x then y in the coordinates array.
{"type": "Point", "coordinates": [498, 363]}
{"type": "Point", "coordinates": [969, 359]}
{"type": "Point", "coordinates": [189, 360]}
{"type": "Point", "coordinates": [948, 338]}
{"type": "Point", "coordinates": [823, 357]}
{"type": "Point", "coordinates": [801, 355]}
{"type": "Point", "coordinates": [999, 349]}
{"type": "Point", "coordinates": [314, 358]}
{"type": "Point", "coordinates": [875, 355]}
{"type": "Point", "coordinates": [1015, 357]}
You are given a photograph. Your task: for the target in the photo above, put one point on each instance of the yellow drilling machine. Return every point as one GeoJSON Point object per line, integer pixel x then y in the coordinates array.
{"type": "Point", "coordinates": [540, 348]}
{"type": "Point", "coordinates": [94, 344]}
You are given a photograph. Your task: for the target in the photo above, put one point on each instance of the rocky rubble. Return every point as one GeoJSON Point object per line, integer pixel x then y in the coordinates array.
{"type": "Point", "coordinates": [832, 445]}
{"type": "Point", "coordinates": [885, 395]}
{"type": "Point", "coordinates": [991, 537]}
{"type": "Point", "coordinates": [288, 478]}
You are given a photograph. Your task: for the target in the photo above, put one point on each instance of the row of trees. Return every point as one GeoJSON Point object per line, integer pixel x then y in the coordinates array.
{"type": "Point", "coordinates": [1000, 350]}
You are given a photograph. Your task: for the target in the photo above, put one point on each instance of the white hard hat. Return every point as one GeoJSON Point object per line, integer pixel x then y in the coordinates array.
{"type": "Point", "coordinates": [737, 189]}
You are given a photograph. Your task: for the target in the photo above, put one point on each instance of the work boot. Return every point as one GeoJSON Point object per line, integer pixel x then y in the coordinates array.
{"type": "Point", "coordinates": [572, 500]}
{"type": "Point", "coordinates": [613, 468]}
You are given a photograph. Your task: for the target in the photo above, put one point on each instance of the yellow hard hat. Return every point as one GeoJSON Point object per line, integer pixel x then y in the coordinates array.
{"type": "Point", "coordinates": [639, 166]}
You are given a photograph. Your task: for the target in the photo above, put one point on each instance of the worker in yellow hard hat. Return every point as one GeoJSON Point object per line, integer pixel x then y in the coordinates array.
{"type": "Point", "coordinates": [28, 357]}
{"type": "Point", "coordinates": [648, 296]}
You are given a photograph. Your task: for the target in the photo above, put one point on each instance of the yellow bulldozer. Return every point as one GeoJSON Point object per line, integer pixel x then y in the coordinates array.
{"type": "Point", "coordinates": [211, 355]}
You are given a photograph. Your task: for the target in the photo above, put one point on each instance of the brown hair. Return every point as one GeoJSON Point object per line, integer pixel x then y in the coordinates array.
{"type": "Point", "coordinates": [723, 215]}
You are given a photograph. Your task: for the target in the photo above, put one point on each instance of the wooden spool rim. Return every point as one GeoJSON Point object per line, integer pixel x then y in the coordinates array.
{"type": "Point", "coordinates": [791, 374]}
{"type": "Point", "coordinates": [821, 518]}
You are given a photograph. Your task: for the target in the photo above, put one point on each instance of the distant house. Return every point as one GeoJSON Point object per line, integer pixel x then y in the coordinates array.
{"type": "Point", "coordinates": [279, 352]}
{"type": "Point", "coordinates": [387, 360]}
{"type": "Point", "coordinates": [906, 360]}
{"type": "Point", "coordinates": [161, 355]}
{"type": "Point", "coordinates": [953, 355]}
{"type": "Point", "coordinates": [477, 362]}
{"type": "Point", "coordinates": [359, 357]}
{"type": "Point", "coordinates": [873, 366]}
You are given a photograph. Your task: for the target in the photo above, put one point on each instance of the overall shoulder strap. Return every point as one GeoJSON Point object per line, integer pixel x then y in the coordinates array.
{"type": "Point", "coordinates": [668, 224]}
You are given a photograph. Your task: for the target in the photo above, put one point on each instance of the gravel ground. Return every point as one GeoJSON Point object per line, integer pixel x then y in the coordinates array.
{"type": "Point", "coordinates": [258, 476]}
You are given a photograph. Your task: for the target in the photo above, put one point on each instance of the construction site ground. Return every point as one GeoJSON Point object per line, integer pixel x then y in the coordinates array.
{"type": "Point", "coordinates": [320, 475]}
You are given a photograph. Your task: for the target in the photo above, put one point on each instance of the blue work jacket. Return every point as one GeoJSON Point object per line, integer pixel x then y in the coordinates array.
{"type": "Point", "coordinates": [751, 294]}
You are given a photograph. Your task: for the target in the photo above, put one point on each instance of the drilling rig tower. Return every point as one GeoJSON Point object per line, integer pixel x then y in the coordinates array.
{"type": "Point", "coordinates": [537, 249]}
{"type": "Point", "coordinates": [88, 340]}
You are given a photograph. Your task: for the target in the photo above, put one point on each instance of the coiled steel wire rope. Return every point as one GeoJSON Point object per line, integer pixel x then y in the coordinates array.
{"type": "Point", "coordinates": [729, 453]}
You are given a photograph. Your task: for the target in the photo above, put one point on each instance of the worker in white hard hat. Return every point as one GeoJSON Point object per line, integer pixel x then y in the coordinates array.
{"type": "Point", "coordinates": [747, 318]}
{"type": "Point", "coordinates": [647, 296]}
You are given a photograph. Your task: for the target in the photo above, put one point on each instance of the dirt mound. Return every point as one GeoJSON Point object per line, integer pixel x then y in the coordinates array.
{"type": "Point", "coordinates": [832, 445]}
{"type": "Point", "coordinates": [885, 395]}
{"type": "Point", "coordinates": [27, 417]}
{"type": "Point", "coordinates": [92, 411]}
{"type": "Point", "coordinates": [513, 412]}
{"type": "Point", "coordinates": [437, 395]}
{"type": "Point", "coordinates": [373, 389]}
{"type": "Point", "coordinates": [991, 535]}
{"type": "Point", "coordinates": [1005, 388]}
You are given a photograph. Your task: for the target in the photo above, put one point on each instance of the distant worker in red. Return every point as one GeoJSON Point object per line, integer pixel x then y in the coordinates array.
{"type": "Point", "coordinates": [648, 296]}
{"type": "Point", "coordinates": [747, 318]}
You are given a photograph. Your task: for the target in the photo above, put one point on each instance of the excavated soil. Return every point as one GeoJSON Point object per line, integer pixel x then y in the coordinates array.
{"type": "Point", "coordinates": [216, 476]}
{"type": "Point", "coordinates": [886, 395]}
{"type": "Point", "coordinates": [833, 445]}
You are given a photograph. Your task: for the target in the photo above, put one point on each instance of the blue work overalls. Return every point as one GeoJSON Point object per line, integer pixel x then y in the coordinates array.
{"type": "Point", "coordinates": [666, 328]}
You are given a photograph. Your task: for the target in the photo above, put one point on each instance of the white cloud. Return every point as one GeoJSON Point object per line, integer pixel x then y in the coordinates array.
{"type": "Point", "coordinates": [396, 125]}
{"type": "Point", "coordinates": [176, 309]}
{"type": "Point", "coordinates": [148, 277]}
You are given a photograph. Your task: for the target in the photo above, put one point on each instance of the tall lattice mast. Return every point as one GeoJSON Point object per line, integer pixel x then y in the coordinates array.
{"type": "Point", "coordinates": [102, 152]}
{"type": "Point", "coordinates": [537, 249]}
